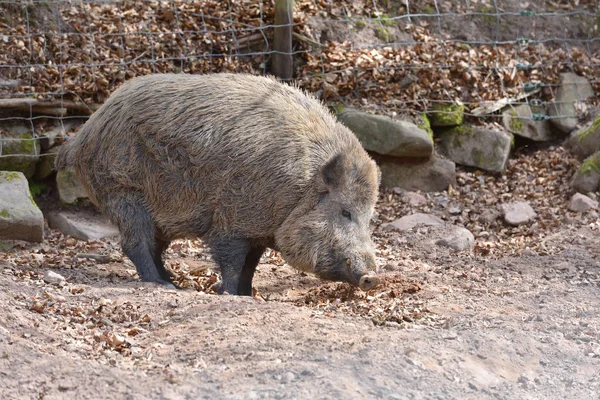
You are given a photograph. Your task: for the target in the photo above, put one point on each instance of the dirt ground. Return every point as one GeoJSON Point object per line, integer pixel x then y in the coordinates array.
{"type": "Point", "coordinates": [465, 326]}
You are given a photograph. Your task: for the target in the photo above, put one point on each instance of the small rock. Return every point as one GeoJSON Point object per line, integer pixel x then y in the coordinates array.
{"type": "Point", "coordinates": [54, 278]}
{"type": "Point", "coordinates": [20, 218]}
{"type": "Point", "coordinates": [529, 253]}
{"type": "Point", "coordinates": [459, 239]}
{"type": "Point", "coordinates": [69, 189]}
{"type": "Point", "coordinates": [581, 203]}
{"type": "Point", "coordinates": [414, 199]}
{"type": "Point", "coordinates": [82, 225]}
{"type": "Point", "coordinates": [517, 213]}
{"type": "Point", "coordinates": [454, 210]}
{"type": "Point", "coordinates": [410, 221]}
{"type": "Point", "coordinates": [288, 377]}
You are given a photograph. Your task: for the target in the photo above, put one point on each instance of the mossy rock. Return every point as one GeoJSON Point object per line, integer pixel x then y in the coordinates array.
{"type": "Point", "coordinates": [476, 147]}
{"type": "Point", "coordinates": [422, 121]}
{"type": "Point", "coordinates": [587, 177]}
{"type": "Point", "coordinates": [19, 154]}
{"type": "Point", "coordinates": [586, 140]}
{"type": "Point", "coordinates": [443, 115]}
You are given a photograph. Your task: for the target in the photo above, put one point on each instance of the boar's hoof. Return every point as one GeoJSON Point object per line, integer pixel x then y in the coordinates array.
{"type": "Point", "coordinates": [368, 282]}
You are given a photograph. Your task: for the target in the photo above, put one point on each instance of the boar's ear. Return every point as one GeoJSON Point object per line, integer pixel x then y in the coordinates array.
{"type": "Point", "coordinates": [333, 171]}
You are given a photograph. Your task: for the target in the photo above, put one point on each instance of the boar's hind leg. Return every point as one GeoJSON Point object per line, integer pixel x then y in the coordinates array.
{"type": "Point", "coordinates": [160, 246]}
{"type": "Point", "coordinates": [137, 236]}
{"type": "Point", "coordinates": [252, 259]}
{"type": "Point", "coordinates": [237, 259]}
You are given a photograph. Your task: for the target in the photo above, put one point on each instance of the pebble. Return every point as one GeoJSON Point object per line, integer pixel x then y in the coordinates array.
{"type": "Point", "coordinates": [54, 278]}
{"type": "Point", "coordinates": [414, 199]}
{"type": "Point", "coordinates": [288, 377]}
{"type": "Point", "coordinates": [517, 213]}
{"type": "Point", "coordinates": [582, 203]}
{"type": "Point", "coordinates": [459, 239]}
{"type": "Point", "coordinates": [410, 221]}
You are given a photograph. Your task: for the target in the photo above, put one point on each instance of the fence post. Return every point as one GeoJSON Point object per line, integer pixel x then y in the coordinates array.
{"type": "Point", "coordinates": [282, 65]}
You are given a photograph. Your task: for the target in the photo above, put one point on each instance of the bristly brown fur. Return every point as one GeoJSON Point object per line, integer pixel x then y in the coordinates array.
{"type": "Point", "coordinates": [223, 156]}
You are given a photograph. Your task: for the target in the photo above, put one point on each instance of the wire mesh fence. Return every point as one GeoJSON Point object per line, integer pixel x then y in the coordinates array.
{"type": "Point", "coordinates": [60, 59]}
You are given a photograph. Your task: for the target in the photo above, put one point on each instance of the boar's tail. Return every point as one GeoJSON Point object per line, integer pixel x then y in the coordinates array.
{"type": "Point", "coordinates": [66, 155]}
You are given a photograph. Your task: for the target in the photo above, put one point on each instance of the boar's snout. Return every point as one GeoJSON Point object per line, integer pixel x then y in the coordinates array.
{"type": "Point", "coordinates": [368, 282]}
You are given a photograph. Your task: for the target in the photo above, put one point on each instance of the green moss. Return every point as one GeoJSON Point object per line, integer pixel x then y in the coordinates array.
{"type": "Point", "coordinates": [4, 213]}
{"type": "Point", "coordinates": [516, 124]}
{"type": "Point", "coordinates": [337, 108]}
{"type": "Point", "coordinates": [26, 151]}
{"type": "Point", "coordinates": [425, 125]}
{"type": "Point", "coordinates": [36, 188]}
{"type": "Point", "coordinates": [461, 133]}
{"type": "Point", "coordinates": [9, 175]}
{"type": "Point", "coordinates": [383, 34]}
{"type": "Point", "coordinates": [479, 158]}
{"type": "Point", "coordinates": [360, 24]}
{"type": "Point", "coordinates": [428, 9]}
{"type": "Point", "coordinates": [591, 164]}
{"type": "Point", "coordinates": [386, 20]}
{"type": "Point", "coordinates": [447, 114]}
{"type": "Point", "coordinates": [27, 144]}
{"type": "Point", "coordinates": [593, 128]}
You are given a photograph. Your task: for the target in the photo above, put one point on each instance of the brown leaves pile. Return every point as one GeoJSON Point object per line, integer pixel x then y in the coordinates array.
{"type": "Point", "coordinates": [92, 48]}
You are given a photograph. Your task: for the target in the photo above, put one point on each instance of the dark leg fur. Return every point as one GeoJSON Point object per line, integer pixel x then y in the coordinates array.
{"type": "Point", "coordinates": [137, 236]}
{"type": "Point", "coordinates": [159, 247]}
{"type": "Point", "coordinates": [230, 255]}
{"type": "Point", "coordinates": [252, 259]}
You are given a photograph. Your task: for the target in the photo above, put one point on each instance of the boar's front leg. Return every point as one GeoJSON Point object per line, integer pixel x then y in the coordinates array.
{"type": "Point", "coordinates": [237, 259]}
{"type": "Point", "coordinates": [252, 259]}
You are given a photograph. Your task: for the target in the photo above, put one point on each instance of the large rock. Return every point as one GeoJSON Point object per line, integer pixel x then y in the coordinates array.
{"type": "Point", "coordinates": [585, 141]}
{"type": "Point", "coordinates": [572, 88]}
{"type": "Point", "coordinates": [520, 120]}
{"type": "Point", "coordinates": [443, 115]}
{"type": "Point", "coordinates": [476, 147]}
{"type": "Point", "coordinates": [386, 136]}
{"type": "Point", "coordinates": [20, 218]}
{"type": "Point", "coordinates": [587, 177]}
{"type": "Point", "coordinates": [19, 150]}
{"type": "Point", "coordinates": [429, 175]}
{"type": "Point", "coordinates": [82, 225]}
{"type": "Point", "coordinates": [69, 188]}
{"type": "Point", "coordinates": [45, 167]}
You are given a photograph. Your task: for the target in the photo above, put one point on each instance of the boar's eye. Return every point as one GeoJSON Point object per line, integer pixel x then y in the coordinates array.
{"type": "Point", "coordinates": [347, 214]}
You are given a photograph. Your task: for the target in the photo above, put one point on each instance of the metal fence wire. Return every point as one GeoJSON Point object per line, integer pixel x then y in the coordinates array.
{"type": "Point", "coordinates": [60, 59]}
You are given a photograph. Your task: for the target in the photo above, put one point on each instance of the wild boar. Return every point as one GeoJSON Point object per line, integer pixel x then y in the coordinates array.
{"type": "Point", "coordinates": [241, 161]}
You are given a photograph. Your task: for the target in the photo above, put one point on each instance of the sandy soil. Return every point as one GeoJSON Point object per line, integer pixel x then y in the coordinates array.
{"type": "Point", "coordinates": [471, 327]}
